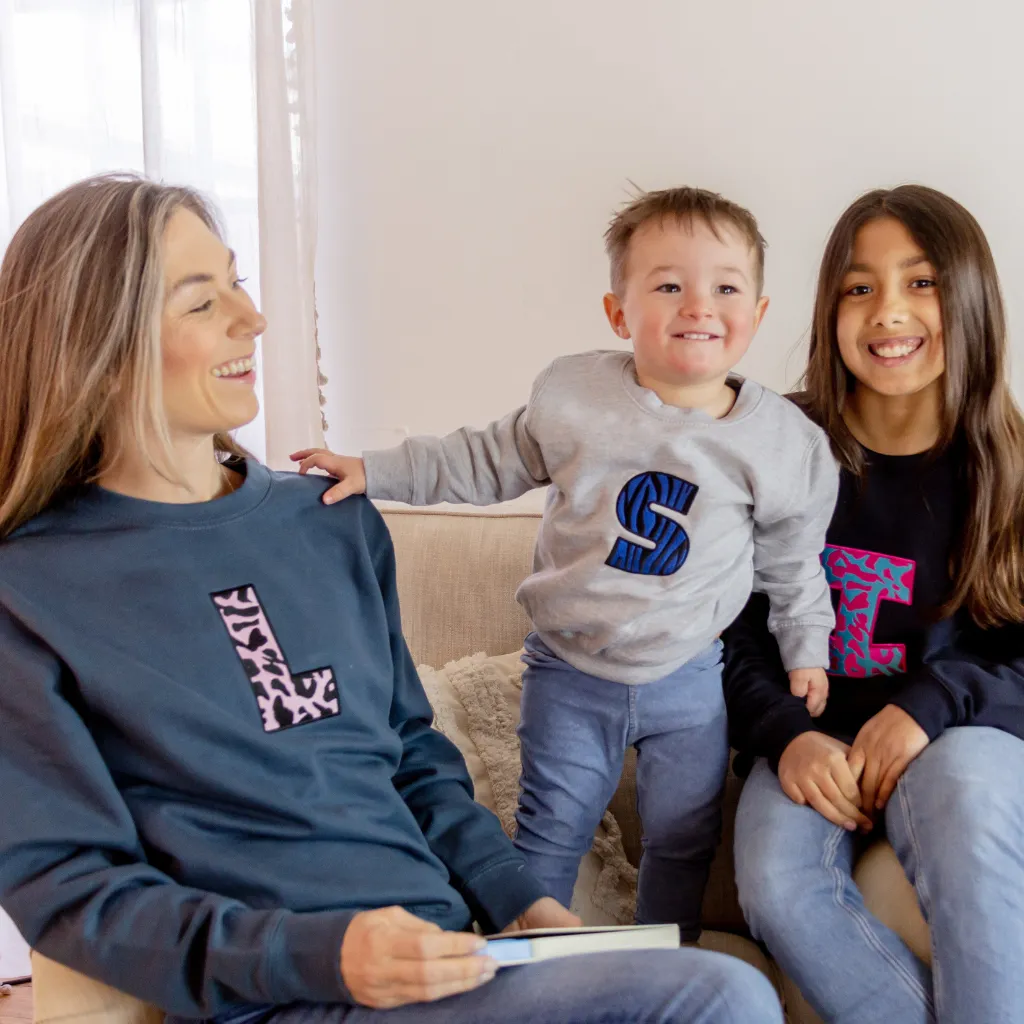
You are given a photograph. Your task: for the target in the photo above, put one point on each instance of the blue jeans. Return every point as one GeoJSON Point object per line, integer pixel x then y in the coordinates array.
{"type": "Point", "coordinates": [574, 731]}
{"type": "Point", "coordinates": [956, 822]}
{"type": "Point", "coordinates": [684, 986]}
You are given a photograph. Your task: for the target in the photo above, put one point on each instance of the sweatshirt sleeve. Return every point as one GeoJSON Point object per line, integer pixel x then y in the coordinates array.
{"type": "Point", "coordinates": [74, 875]}
{"type": "Point", "coordinates": [432, 779]}
{"type": "Point", "coordinates": [476, 467]}
{"type": "Point", "coordinates": [764, 717]}
{"type": "Point", "coordinates": [979, 684]}
{"type": "Point", "coordinates": [787, 561]}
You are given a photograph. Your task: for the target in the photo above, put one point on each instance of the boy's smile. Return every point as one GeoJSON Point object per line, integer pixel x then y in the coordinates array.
{"type": "Point", "coordinates": [690, 306]}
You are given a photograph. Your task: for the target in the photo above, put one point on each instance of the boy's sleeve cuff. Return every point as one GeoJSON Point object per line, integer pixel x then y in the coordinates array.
{"type": "Point", "coordinates": [804, 647]}
{"type": "Point", "coordinates": [389, 475]}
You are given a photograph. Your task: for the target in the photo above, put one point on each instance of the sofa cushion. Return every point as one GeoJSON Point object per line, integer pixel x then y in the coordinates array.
{"type": "Point", "coordinates": [457, 579]}
{"type": "Point", "coordinates": [889, 895]}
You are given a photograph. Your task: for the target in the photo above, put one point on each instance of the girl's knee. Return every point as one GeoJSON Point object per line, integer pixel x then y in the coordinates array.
{"type": "Point", "coordinates": [965, 784]}
{"type": "Point", "coordinates": [767, 886]}
{"type": "Point", "coordinates": [968, 757]}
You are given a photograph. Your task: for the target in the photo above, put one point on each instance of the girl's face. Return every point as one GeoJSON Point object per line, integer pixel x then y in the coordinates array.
{"type": "Point", "coordinates": [889, 321]}
{"type": "Point", "coordinates": [208, 333]}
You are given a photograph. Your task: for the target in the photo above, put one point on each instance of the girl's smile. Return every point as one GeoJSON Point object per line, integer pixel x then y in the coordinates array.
{"type": "Point", "coordinates": [889, 318]}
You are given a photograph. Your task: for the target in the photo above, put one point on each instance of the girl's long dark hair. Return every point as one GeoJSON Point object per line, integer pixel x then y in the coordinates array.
{"type": "Point", "coordinates": [978, 409]}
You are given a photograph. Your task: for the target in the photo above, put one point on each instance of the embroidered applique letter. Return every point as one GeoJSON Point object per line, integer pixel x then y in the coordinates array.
{"type": "Point", "coordinates": [284, 699]}
{"type": "Point", "coordinates": [636, 512]}
{"type": "Point", "coordinates": [865, 579]}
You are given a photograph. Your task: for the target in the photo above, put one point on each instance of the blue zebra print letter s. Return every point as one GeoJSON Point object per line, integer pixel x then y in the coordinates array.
{"type": "Point", "coordinates": [671, 541]}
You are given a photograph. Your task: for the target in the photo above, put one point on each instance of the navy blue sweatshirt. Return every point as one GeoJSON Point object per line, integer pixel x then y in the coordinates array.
{"type": "Point", "coordinates": [215, 750]}
{"type": "Point", "coordinates": [887, 560]}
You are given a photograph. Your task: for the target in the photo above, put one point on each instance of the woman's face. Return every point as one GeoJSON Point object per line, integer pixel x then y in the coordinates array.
{"type": "Point", "coordinates": [889, 321]}
{"type": "Point", "coordinates": [207, 335]}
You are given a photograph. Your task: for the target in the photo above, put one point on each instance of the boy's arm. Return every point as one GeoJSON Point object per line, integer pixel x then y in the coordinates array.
{"type": "Point", "coordinates": [478, 467]}
{"type": "Point", "coordinates": [787, 561]}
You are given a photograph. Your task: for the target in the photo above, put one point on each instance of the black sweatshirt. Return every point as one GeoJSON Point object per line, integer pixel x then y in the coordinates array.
{"type": "Point", "coordinates": [887, 559]}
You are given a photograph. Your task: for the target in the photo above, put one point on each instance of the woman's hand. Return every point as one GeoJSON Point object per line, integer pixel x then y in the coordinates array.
{"type": "Point", "coordinates": [545, 913]}
{"type": "Point", "coordinates": [814, 770]}
{"type": "Point", "coordinates": [390, 958]}
{"type": "Point", "coordinates": [350, 471]}
{"type": "Point", "coordinates": [883, 748]}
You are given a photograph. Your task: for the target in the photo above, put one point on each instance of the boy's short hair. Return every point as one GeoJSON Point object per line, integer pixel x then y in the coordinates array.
{"type": "Point", "coordinates": [684, 205]}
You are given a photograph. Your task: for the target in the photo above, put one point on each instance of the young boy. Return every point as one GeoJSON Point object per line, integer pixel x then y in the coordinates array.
{"type": "Point", "coordinates": [674, 489]}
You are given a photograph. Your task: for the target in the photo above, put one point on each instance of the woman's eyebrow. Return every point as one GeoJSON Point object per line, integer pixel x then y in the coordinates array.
{"type": "Point", "coordinates": [199, 278]}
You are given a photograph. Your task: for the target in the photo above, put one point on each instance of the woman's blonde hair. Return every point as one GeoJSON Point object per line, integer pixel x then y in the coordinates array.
{"type": "Point", "coordinates": [81, 297]}
{"type": "Point", "coordinates": [978, 410]}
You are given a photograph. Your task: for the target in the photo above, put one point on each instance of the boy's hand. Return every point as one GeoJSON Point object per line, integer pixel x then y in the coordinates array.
{"type": "Point", "coordinates": [547, 912]}
{"type": "Point", "coordinates": [350, 471]}
{"type": "Point", "coordinates": [814, 770]}
{"type": "Point", "coordinates": [811, 683]}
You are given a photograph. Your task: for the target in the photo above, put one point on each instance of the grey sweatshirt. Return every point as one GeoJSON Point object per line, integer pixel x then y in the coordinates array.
{"type": "Point", "coordinates": [659, 520]}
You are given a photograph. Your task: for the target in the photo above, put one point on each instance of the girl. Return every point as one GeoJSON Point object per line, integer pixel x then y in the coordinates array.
{"type": "Point", "coordinates": [922, 736]}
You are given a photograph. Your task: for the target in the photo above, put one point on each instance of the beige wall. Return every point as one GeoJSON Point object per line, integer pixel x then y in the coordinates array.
{"type": "Point", "coordinates": [471, 152]}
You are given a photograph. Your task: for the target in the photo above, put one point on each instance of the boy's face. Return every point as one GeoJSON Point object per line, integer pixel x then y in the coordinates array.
{"type": "Point", "coordinates": [688, 302]}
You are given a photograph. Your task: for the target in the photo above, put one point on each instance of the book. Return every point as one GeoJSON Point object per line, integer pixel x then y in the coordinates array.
{"type": "Point", "coordinates": [547, 943]}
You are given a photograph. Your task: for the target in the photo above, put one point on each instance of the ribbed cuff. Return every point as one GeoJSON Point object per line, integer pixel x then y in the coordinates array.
{"type": "Point", "coordinates": [389, 475]}
{"type": "Point", "coordinates": [499, 894]}
{"type": "Point", "coordinates": [781, 729]}
{"type": "Point", "coordinates": [928, 702]}
{"type": "Point", "coordinates": [803, 646]}
{"type": "Point", "coordinates": [304, 958]}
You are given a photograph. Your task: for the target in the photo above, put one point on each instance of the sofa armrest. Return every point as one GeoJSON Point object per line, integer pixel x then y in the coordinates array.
{"type": "Point", "coordinates": [61, 994]}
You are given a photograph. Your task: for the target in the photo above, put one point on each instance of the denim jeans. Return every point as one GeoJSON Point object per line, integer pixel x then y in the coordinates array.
{"type": "Point", "coordinates": [574, 731]}
{"type": "Point", "coordinates": [684, 986]}
{"type": "Point", "coordinates": [956, 822]}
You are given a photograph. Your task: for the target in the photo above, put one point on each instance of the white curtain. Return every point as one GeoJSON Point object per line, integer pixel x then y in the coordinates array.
{"type": "Point", "coordinates": [210, 93]}
{"type": "Point", "coordinates": [286, 102]}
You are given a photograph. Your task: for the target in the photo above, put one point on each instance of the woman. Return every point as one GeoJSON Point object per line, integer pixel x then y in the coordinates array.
{"type": "Point", "coordinates": [223, 793]}
{"type": "Point", "coordinates": [922, 736]}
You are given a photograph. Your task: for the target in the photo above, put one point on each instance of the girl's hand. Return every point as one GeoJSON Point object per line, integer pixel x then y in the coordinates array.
{"type": "Point", "coordinates": [811, 683]}
{"type": "Point", "coordinates": [545, 913]}
{"type": "Point", "coordinates": [391, 958]}
{"type": "Point", "coordinates": [883, 748]}
{"type": "Point", "coordinates": [350, 471]}
{"type": "Point", "coordinates": [814, 770]}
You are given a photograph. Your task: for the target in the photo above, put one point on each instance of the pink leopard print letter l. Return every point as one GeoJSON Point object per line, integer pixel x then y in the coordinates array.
{"type": "Point", "coordinates": [284, 699]}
